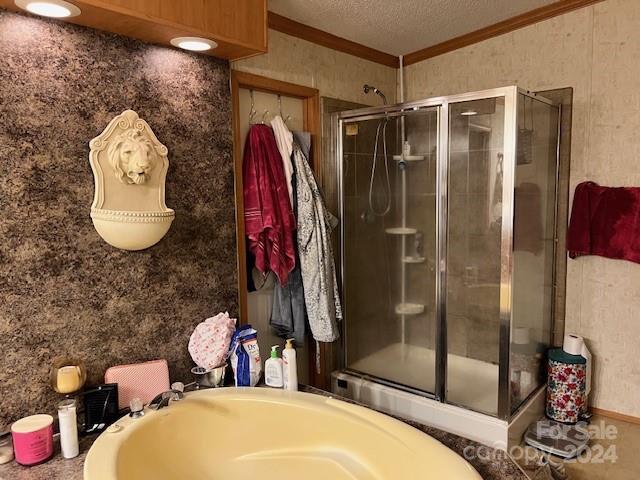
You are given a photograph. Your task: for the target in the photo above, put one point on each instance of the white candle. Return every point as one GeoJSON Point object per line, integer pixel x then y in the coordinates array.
{"type": "Point", "coordinates": [68, 428]}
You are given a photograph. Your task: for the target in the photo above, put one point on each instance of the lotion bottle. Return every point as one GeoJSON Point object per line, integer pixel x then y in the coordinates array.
{"type": "Point", "coordinates": [273, 369]}
{"type": "Point", "coordinates": [290, 368]}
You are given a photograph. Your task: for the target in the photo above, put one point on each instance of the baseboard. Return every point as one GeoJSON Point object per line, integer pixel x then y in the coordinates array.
{"type": "Point", "coordinates": [615, 415]}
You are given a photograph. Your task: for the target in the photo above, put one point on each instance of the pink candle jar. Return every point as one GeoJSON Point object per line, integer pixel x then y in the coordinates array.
{"type": "Point", "coordinates": [33, 439]}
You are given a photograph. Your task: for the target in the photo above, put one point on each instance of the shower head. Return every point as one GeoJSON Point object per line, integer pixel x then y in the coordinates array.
{"type": "Point", "coordinates": [367, 88]}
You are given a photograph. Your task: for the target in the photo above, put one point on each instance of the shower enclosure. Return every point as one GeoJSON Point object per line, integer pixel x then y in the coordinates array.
{"type": "Point", "coordinates": [448, 221]}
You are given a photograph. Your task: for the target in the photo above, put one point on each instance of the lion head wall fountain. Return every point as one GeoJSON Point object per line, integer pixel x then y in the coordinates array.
{"type": "Point", "coordinates": [130, 168]}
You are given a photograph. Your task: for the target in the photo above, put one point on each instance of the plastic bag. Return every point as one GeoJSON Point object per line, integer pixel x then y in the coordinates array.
{"type": "Point", "coordinates": [245, 357]}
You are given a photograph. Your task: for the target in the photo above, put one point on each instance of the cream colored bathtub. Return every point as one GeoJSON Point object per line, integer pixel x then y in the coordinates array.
{"type": "Point", "coordinates": [264, 434]}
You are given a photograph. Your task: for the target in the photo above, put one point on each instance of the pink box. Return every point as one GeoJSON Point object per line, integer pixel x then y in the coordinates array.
{"type": "Point", "coordinates": [141, 380]}
{"type": "Point", "coordinates": [33, 439]}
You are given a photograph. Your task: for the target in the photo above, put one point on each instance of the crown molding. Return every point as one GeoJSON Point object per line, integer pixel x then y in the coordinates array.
{"type": "Point", "coordinates": [500, 28]}
{"type": "Point", "coordinates": [320, 37]}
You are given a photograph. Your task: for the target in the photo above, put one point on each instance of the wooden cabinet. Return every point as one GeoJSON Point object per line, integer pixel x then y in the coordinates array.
{"type": "Point", "coordinates": [238, 26]}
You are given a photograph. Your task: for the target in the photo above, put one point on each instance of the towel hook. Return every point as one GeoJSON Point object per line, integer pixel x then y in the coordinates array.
{"type": "Point", "coordinates": [252, 110]}
{"type": "Point", "coordinates": [285, 120]}
{"type": "Point", "coordinates": [264, 116]}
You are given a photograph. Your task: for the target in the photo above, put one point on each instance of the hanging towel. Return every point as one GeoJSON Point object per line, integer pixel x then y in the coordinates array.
{"type": "Point", "coordinates": [284, 140]}
{"type": "Point", "coordinates": [288, 312]}
{"type": "Point", "coordinates": [268, 218]}
{"type": "Point", "coordinates": [314, 248]}
{"type": "Point", "coordinates": [605, 221]}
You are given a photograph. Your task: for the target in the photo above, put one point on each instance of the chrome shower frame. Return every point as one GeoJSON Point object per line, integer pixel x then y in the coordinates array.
{"type": "Point", "coordinates": [510, 95]}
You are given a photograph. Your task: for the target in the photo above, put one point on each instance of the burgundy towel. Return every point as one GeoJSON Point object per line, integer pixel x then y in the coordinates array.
{"type": "Point", "coordinates": [268, 218]}
{"type": "Point", "coordinates": [605, 222]}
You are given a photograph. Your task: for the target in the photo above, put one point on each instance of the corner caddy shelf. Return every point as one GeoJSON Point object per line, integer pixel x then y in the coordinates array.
{"type": "Point", "coordinates": [409, 259]}
{"type": "Point", "coordinates": [401, 231]}
{"type": "Point", "coordinates": [409, 308]}
{"type": "Point", "coordinates": [408, 158]}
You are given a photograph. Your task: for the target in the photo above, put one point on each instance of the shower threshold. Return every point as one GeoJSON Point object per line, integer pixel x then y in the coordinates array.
{"type": "Point", "coordinates": [470, 382]}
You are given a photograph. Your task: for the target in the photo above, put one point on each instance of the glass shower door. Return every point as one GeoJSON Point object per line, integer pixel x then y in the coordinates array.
{"type": "Point", "coordinates": [389, 246]}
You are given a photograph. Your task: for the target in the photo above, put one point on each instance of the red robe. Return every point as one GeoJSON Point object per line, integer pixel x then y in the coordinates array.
{"type": "Point", "coordinates": [268, 218]}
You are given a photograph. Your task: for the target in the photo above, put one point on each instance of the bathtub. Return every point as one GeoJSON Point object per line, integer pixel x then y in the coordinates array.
{"type": "Point", "coordinates": [265, 434]}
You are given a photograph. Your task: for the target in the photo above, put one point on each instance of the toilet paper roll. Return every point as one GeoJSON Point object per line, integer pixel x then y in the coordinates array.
{"type": "Point", "coordinates": [573, 344]}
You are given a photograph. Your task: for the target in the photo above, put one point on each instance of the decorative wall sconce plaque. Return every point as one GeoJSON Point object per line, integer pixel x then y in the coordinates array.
{"type": "Point", "coordinates": [130, 168]}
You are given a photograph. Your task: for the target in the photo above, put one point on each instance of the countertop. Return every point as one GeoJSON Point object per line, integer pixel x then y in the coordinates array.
{"type": "Point", "coordinates": [490, 463]}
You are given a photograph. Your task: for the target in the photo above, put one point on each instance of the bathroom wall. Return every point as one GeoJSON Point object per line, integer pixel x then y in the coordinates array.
{"type": "Point", "coordinates": [591, 50]}
{"type": "Point", "coordinates": [63, 290]}
{"type": "Point", "coordinates": [335, 74]}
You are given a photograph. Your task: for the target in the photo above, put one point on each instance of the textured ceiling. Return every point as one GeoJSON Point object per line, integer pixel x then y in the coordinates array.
{"type": "Point", "coordinates": [399, 27]}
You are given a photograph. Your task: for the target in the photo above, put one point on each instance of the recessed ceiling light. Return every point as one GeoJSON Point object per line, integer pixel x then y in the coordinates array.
{"type": "Point", "coordinates": [468, 113]}
{"type": "Point", "coordinates": [195, 44]}
{"type": "Point", "coordinates": [49, 8]}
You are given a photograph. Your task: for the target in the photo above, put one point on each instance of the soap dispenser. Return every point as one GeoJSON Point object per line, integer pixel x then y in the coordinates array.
{"type": "Point", "coordinates": [290, 367]}
{"type": "Point", "coordinates": [273, 369]}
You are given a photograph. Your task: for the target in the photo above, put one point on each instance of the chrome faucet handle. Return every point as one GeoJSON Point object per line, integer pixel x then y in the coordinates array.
{"type": "Point", "coordinates": [137, 408]}
{"type": "Point", "coordinates": [177, 386]}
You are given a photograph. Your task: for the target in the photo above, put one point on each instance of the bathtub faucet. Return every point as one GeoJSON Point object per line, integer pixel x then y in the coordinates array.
{"type": "Point", "coordinates": [162, 400]}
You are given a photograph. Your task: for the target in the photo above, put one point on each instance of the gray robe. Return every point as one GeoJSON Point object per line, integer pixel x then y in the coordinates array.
{"type": "Point", "coordinates": [315, 223]}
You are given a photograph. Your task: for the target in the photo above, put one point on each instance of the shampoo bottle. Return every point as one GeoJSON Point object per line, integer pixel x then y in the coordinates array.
{"type": "Point", "coordinates": [290, 368]}
{"type": "Point", "coordinates": [273, 369]}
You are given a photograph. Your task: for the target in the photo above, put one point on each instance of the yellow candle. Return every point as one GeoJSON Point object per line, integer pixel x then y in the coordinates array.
{"type": "Point", "coordinates": [68, 379]}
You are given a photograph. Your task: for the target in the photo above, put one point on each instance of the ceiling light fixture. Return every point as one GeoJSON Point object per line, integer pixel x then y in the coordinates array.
{"type": "Point", "coordinates": [468, 113]}
{"type": "Point", "coordinates": [195, 44]}
{"type": "Point", "coordinates": [49, 8]}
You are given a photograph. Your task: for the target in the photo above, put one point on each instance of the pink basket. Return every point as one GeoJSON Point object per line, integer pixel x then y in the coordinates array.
{"type": "Point", "coordinates": [141, 380]}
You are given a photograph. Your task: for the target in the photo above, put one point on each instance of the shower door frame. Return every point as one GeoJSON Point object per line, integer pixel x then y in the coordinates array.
{"type": "Point", "coordinates": [510, 95]}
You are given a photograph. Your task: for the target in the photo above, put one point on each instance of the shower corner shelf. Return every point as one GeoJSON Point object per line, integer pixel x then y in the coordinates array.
{"type": "Point", "coordinates": [409, 259]}
{"type": "Point", "coordinates": [409, 308]}
{"type": "Point", "coordinates": [401, 231]}
{"type": "Point", "coordinates": [409, 158]}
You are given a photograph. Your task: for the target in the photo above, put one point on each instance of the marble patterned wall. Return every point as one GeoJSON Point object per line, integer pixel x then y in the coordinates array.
{"type": "Point", "coordinates": [63, 290]}
{"type": "Point", "coordinates": [591, 50]}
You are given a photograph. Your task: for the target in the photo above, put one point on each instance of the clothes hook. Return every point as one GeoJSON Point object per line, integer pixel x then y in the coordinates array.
{"type": "Point", "coordinates": [252, 110]}
{"type": "Point", "coordinates": [280, 104]}
{"type": "Point", "coordinates": [264, 116]}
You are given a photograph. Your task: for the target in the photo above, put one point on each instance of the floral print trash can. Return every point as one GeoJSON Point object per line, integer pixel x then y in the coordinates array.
{"type": "Point", "coordinates": [566, 386]}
